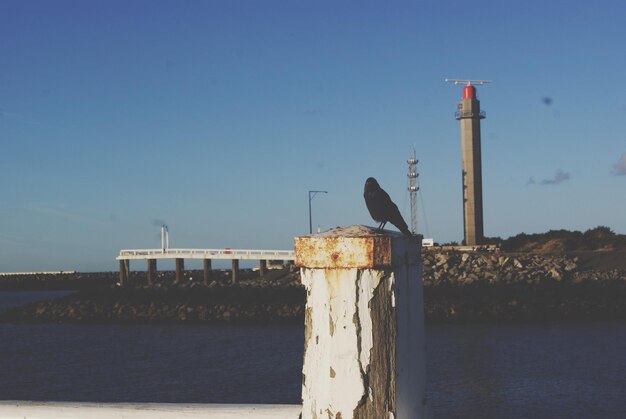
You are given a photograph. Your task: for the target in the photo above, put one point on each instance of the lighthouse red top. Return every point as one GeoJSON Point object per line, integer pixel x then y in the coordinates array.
{"type": "Point", "coordinates": [469, 92]}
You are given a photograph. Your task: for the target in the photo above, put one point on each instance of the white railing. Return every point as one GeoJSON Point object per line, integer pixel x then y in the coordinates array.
{"type": "Point", "coordinates": [206, 254]}
{"type": "Point", "coordinates": [38, 273]}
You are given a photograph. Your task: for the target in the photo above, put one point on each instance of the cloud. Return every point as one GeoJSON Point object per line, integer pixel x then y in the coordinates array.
{"type": "Point", "coordinates": [16, 117]}
{"type": "Point", "coordinates": [7, 238]}
{"type": "Point", "coordinates": [619, 168]}
{"type": "Point", "coordinates": [4, 113]}
{"type": "Point", "coordinates": [559, 177]}
{"type": "Point", "coordinates": [60, 211]}
{"type": "Point", "coordinates": [312, 112]}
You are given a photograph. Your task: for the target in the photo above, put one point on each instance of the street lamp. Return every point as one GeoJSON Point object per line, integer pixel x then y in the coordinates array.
{"type": "Point", "coordinates": [311, 195]}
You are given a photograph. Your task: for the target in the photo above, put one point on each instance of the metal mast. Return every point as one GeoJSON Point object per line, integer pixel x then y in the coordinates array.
{"type": "Point", "coordinates": [413, 188]}
{"type": "Point", "coordinates": [165, 238]}
{"type": "Point", "coordinates": [468, 82]}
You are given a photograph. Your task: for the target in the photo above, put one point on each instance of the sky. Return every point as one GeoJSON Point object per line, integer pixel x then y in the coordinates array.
{"type": "Point", "coordinates": [218, 117]}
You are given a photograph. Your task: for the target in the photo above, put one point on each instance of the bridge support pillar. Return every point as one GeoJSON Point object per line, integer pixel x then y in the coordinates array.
{"type": "Point", "coordinates": [235, 268]}
{"type": "Point", "coordinates": [124, 265]}
{"type": "Point", "coordinates": [207, 270]}
{"type": "Point", "coordinates": [364, 324]}
{"type": "Point", "coordinates": [262, 268]}
{"type": "Point", "coordinates": [152, 267]}
{"type": "Point", "coordinates": [180, 270]}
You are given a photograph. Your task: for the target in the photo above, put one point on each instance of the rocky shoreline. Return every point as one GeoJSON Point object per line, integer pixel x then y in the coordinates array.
{"type": "Point", "coordinates": [458, 287]}
{"type": "Point", "coordinates": [466, 268]}
{"type": "Point", "coordinates": [235, 304]}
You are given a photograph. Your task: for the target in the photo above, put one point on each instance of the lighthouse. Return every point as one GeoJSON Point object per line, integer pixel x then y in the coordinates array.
{"type": "Point", "coordinates": [469, 114]}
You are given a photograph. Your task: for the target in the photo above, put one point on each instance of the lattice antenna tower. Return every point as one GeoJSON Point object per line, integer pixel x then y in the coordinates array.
{"type": "Point", "coordinates": [413, 188]}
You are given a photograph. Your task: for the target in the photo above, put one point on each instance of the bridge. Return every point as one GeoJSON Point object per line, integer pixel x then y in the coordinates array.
{"type": "Point", "coordinates": [225, 253]}
{"type": "Point", "coordinates": [179, 255]}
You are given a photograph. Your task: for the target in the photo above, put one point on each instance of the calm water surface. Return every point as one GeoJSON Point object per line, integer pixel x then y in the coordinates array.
{"type": "Point", "coordinates": [474, 371]}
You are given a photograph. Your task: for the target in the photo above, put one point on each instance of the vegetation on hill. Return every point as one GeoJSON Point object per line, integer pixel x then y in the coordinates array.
{"type": "Point", "coordinates": [559, 241]}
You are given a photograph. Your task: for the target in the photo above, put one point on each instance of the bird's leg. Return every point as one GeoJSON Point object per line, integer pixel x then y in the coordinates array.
{"type": "Point", "coordinates": [382, 225]}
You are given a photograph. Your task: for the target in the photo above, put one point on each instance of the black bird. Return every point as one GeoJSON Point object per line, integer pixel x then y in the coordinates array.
{"type": "Point", "coordinates": [382, 208]}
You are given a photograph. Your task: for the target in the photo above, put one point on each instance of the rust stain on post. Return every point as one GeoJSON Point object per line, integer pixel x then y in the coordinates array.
{"type": "Point", "coordinates": [345, 247]}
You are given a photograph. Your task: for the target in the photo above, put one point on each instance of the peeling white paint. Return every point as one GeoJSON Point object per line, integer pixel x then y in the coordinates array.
{"type": "Point", "coordinates": [339, 298]}
{"type": "Point", "coordinates": [365, 286]}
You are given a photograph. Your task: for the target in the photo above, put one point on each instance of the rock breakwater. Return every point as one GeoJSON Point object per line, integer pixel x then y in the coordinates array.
{"type": "Point", "coordinates": [465, 268]}
{"type": "Point", "coordinates": [200, 304]}
{"type": "Point", "coordinates": [468, 287]}
{"type": "Point", "coordinates": [56, 282]}
{"type": "Point", "coordinates": [458, 287]}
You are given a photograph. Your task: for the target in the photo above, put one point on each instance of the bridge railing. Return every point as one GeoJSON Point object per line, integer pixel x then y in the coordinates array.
{"type": "Point", "coordinates": [225, 253]}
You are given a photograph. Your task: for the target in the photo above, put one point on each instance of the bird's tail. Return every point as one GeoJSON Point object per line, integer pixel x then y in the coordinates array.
{"type": "Point", "coordinates": [401, 225]}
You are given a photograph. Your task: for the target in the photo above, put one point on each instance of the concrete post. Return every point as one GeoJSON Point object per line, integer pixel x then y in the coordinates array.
{"type": "Point", "coordinates": [152, 267]}
{"type": "Point", "coordinates": [207, 270]}
{"type": "Point", "coordinates": [180, 270]}
{"type": "Point", "coordinates": [235, 268]}
{"type": "Point", "coordinates": [262, 267]}
{"type": "Point", "coordinates": [123, 273]}
{"type": "Point", "coordinates": [364, 324]}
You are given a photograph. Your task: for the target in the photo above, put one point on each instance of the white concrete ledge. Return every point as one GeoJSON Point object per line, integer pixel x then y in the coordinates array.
{"type": "Point", "coordinates": [68, 410]}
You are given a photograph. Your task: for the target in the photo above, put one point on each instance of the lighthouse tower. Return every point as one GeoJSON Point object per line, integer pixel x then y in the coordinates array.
{"type": "Point", "coordinates": [469, 115]}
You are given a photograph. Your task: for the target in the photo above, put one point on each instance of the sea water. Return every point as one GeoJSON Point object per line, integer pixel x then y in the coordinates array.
{"type": "Point", "coordinates": [536, 370]}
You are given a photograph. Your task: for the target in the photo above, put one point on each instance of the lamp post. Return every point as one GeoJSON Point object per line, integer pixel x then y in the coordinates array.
{"type": "Point", "coordinates": [311, 196]}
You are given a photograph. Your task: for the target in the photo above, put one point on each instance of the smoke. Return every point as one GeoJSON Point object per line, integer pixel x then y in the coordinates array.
{"type": "Point", "coordinates": [158, 223]}
{"type": "Point", "coordinates": [6, 238]}
{"type": "Point", "coordinates": [619, 168]}
{"type": "Point", "coordinates": [60, 211]}
{"type": "Point", "coordinates": [559, 177]}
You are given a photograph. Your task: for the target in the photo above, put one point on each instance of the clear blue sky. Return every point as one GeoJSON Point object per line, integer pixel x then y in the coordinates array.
{"type": "Point", "coordinates": [218, 116]}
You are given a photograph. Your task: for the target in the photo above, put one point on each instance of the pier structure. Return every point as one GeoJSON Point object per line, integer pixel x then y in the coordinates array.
{"type": "Point", "coordinates": [207, 255]}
